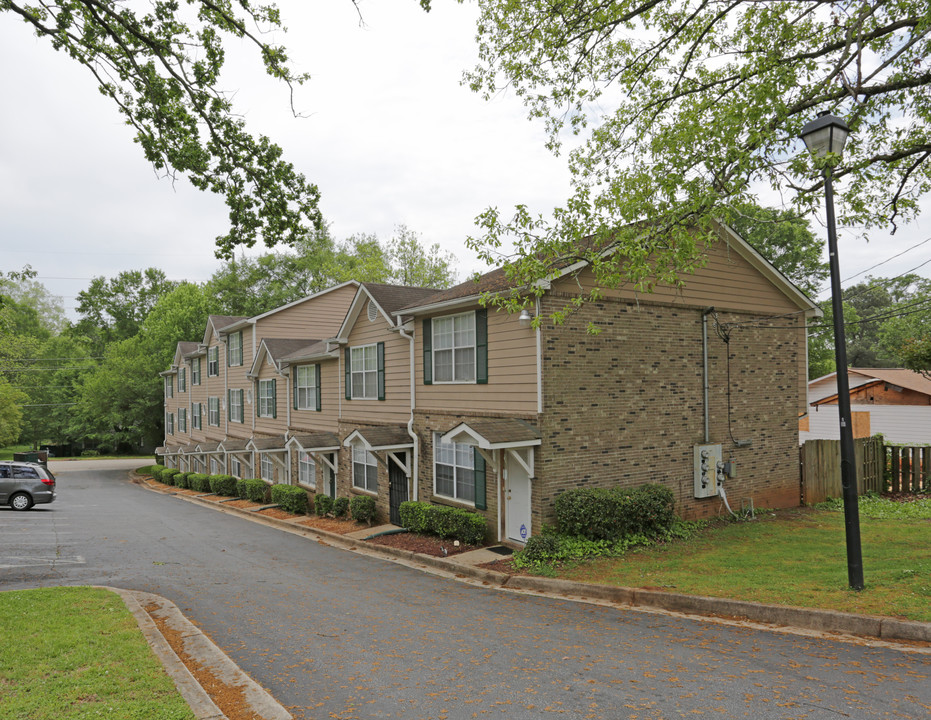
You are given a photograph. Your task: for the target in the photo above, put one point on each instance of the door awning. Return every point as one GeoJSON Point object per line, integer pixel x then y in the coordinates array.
{"type": "Point", "coordinates": [375, 439]}
{"type": "Point", "coordinates": [494, 434]}
{"type": "Point", "coordinates": [273, 444]}
{"type": "Point", "coordinates": [315, 442]}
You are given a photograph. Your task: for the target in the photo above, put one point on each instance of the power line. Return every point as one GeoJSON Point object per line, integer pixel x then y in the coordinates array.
{"type": "Point", "coordinates": [926, 240]}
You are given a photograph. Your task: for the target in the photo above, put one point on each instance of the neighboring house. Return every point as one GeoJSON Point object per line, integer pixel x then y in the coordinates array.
{"type": "Point", "coordinates": [894, 402]}
{"type": "Point", "coordinates": [427, 395]}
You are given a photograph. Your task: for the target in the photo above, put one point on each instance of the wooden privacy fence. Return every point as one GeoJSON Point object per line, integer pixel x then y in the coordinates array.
{"type": "Point", "coordinates": [820, 468]}
{"type": "Point", "coordinates": [909, 468]}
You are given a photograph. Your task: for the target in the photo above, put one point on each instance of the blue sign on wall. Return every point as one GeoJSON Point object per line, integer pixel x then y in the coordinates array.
{"type": "Point", "coordinates": [523, 532]}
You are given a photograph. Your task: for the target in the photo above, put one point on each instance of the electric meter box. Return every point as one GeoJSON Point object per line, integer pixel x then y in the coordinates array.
{"type": "Point", "coordinates": [709, 470]}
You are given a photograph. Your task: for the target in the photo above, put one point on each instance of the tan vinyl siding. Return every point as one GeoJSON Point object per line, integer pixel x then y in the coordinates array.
{"type": "Point", "coordinates": [727, 282]}
{"type": "Point", "coordinates": [330, 396]}
{"type": "Point", "coordinates": [396, 407]}
{"type": "Point", "coordinates": [279, 424]}
{"type": "Point", "coordinates": [318, 317]}
{"type": "Point", "coordinates": [512, 373]}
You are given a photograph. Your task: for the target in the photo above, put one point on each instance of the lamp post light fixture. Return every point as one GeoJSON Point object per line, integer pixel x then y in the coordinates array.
{"type": "Point", "coordinates": [823, 135]}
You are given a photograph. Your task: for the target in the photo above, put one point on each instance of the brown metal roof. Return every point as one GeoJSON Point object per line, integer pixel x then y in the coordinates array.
{"type": "Point", "coordinates": [313, 441]}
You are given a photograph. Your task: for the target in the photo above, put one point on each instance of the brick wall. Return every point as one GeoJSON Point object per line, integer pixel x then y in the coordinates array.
{"type": "Point", "coordinates": [625, 407]}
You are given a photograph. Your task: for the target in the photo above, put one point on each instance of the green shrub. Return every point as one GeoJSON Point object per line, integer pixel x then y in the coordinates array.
{"type": "Point", "coordinates": [415, 516]}
{"type": "Point", "coordinates": [223, 485]}
{"type": "Point", "coordinates": [254, 489]}
{"type": "Point", "coordinates": [180, 480]}
{"type": "Point", "coordinates": [540, 550]}
{"type": "Point", "coordinates": [153, 471]}
{"type": "Point", "coordinates": [146, 470]}
{"type": "Point", "coordinates": [362, 508]}
{"type": "Point", "coordinates": [291, 498]}
{"type": "Point", "coordinates": [200, 482]}
{"type": "Point", "coordinates": [445, 522]}
{"type": "Point", "coordinates": [340, 506]}
{"type": "Point", "coordinates": [615, 513]}
{"type": "Point", "coordinates": [323, 504]}
{"type": "Point", "coordinates": [89, 453]}
{"type": "Point", "coordinates": [167, 475]}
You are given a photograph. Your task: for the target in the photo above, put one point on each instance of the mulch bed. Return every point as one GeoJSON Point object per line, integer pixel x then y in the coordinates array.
{"type": "Point", "coordinates": [423, 544]}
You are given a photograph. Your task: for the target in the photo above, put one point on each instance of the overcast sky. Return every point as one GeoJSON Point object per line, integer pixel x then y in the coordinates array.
{"type": "Point", "coordinates": [390, 137]}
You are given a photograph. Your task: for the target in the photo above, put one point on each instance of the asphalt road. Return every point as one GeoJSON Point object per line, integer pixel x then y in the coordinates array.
{"type": "Point", "coordinates": [333, 634]}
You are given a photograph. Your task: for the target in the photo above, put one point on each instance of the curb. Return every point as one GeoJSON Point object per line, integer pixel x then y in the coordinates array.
{"type": "Point", "coordinates": [777, 616]}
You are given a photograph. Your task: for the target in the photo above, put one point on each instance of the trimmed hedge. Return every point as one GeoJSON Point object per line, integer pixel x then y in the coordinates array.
{"type": "Point", "coordinates": [254, 489]}
{"type": "Point", "coordinates": [223, 485]}
{"type": "Point", "coordinates": [445, 522]}
{"type": "Point", "coordinates": [323, 504]}
{"type": "Point", "coordinates": [615, 513]}
{"type": "Point", "coordinates": [340, 506]}
{"type": "Point", "coordinates": [200, 482]}
{"type": "Point", "coordinates": [181, 479]}
{"type": "Point", "coordinates": [291, 498]}
{"type": "Point", "coordinates": [362, 508]}
{"type": "Point", "coordinates": [167, 475]}
{"type": "Point", "coordinates": [155, 471]}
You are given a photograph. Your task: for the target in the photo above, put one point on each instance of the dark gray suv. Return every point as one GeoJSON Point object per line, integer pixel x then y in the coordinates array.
{"type": "Point", "coordinates": [23, 484]}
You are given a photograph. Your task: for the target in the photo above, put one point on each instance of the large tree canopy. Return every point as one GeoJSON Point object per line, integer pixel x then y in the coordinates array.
{"type": "Point", "coordinates": [688, 108]}
{"type": "Point", "coordinates": [162, 70]}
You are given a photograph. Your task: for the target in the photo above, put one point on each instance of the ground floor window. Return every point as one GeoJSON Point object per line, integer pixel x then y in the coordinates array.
{"type": "Point", "coordinates": [214, 466]}
{"type": "Point", "coordinates": [453, 470]}
{"type": "Point", "coordinates": [235, 467]}
{"type": "Point", "coordinates": [306, 470]}
{"type": "Point", "coordinates": [364, 469]}
{"type": "Point", "coordinates": [266, 467]}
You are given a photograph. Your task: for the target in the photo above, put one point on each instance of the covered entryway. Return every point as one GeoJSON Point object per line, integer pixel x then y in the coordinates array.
{"type": "Point", "coordinates": [392, 447]}
{"type": "Point", "coordinates": [321, 448]}
{"type": "Point", "coordinates": [507, 445]}
{"type": "Point", "coordinates": [397, 488]}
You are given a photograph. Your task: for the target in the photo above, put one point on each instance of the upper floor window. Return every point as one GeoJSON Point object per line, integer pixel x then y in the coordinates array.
{"type": "Point", "coordinates": [234, 349]}
{"type": "Point", "coordinates": [169, 387]}
{"type": "Point", "coordinates": [195, 371]}
{"type": "Point", "coordinates": [182, 419]}
{"type": "Point", "coordinates": [182, 379]}
{"type": "Point", "coordinates": [364, 469]}
{"type": "Point", "coordinates": [268, 402]}
{"type": "Point", "coordinates": [170, 423]}
{"type": "Point", "coordinates": [307, 387]}
{"type": "Point", "coordinates": [213, 411]}
{"type": "Point", "coordinates": [213, 361]}
{"type": "Point", "coordinates": [234, 406]}
{"type": "Point", "coordinates": [365, 372]}
{"type": "Point", "coordinates": [453, 470]}
{"type": "Point", "coordinates": [196, 410]}
{"type": "Point", "coordinates": [455, 348]}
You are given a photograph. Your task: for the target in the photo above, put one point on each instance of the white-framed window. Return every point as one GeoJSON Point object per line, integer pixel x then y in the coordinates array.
{"type": "Point", "coordinates": [235, 406]}
{"type": "Point", "coordinates": [213, 361]}
{"type": "Point", "coordinates": [170, 423]}
{"type": "Point", "coordinates": [454, 348]}
{"type": "Point", "coordinates": [234, 349]}
{"type": "Point", "coordinates": [214, 466]}
{"type": "Point", "coordinates": [235, 467]}
{"type": "Point", "coordinates": [169, 387]}
{"type": "Point", "coordinates": [267, 399]}
{"type": "Point", "coordinates": [364, 372]}
{"type": "Point", "coordinates": [453, 470]}
{"type": "Point", "coordinates": [305, 387]}
{"type": "Point", "coordinates": [364, 469]}
{"type": "Point", "coordinates": [213, 411]}
{"type": "Point", "coordinates": [182, 379]}
{"type": "Point", "coordinates": [306, 470]}
{"type": "Point", "coordinates": [195, 371]}
{"type": "Point", "coordinates": [182, 419]}
{"type": "Point", "coordinates": [196, 410]}
{"type": "Point", "coordinates": [266, 467]}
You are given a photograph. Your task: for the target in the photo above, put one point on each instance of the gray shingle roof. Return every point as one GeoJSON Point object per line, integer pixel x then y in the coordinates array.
{"type": "Point", "coordinates": [315, 440]}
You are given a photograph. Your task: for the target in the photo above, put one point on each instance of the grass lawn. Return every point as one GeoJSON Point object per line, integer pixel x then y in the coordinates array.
{"type": "Point", "coordinates": [76, 652]}
{"type": "Point", "coordinates": [794, 557]}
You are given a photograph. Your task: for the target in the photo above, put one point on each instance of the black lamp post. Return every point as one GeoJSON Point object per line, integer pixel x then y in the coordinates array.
{"type": "Point", "coordinates": [828, 134]}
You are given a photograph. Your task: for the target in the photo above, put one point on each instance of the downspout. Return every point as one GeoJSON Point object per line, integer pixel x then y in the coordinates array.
{"type": "Point", "coordinates": [704, 350]}
{"type": "Point", "coordinates": [410, 423]}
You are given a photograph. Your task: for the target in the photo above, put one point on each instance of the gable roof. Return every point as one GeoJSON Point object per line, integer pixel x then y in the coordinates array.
{"type": "Point", "coordinates": [497, 281]}
{"type": "Point", "coordinates": [276, 349]}
{"type": "Point", "coordinates": [183, 348]}
{"type": "Point", "coordinates": [318, 350]}
{"type": "Point", "coordinates": [901, 377]}
{"type": "Point", "coordinates": [387, 299]}
{"type": "Point", "coordinates": [217, 323]}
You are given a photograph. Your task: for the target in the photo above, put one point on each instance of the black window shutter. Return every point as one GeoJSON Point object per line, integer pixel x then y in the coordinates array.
{"type": "Point", "coordinates": [317, 379]}
{"type": "Point", "coordinates": [381, 370]}
{"type": "Point", "coordinates": [479, 475]}
{"type": "Point", "coordinates": [229, 405]}
{"type": "Point", "coordinates": [294, 386]}
{"type": "Point", "coordinates": [481, 346]}
{"type": "Point", "coordinates": [257, 390]}
{"type": "Point", "coordinates": [348, 375]}
{"type": "Point", "coordinates": [275, 398]}
{"type": "Point", "coordinates": [428, 352]}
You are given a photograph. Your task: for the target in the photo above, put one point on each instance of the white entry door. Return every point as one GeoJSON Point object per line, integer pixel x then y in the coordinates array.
{"type": "Point", "coordinates": [517, 499]}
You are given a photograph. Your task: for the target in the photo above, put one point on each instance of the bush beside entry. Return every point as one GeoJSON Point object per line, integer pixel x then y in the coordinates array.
{"type": "Point", "coordinates": [444, 522]}
{"type": "Point", "coordinates": [291, 498]}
